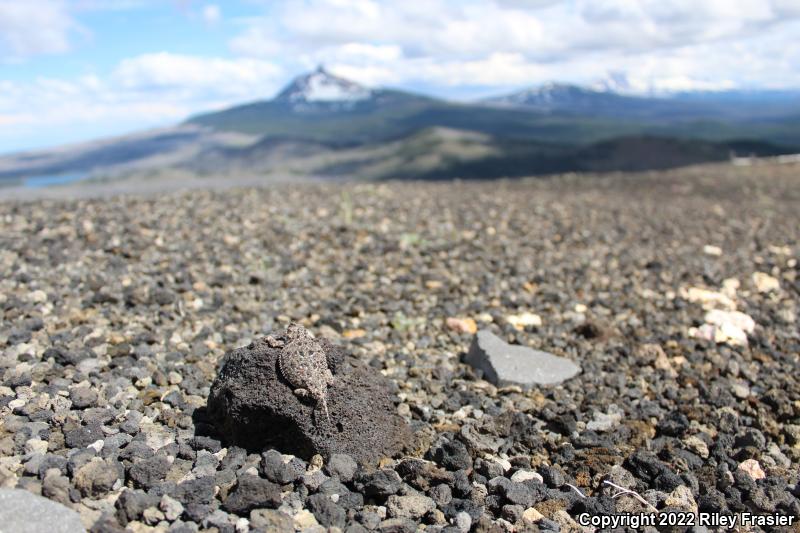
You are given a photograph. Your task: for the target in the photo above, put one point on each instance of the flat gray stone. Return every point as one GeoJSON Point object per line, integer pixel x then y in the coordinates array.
{"type": "Point", "coordinates": [24, 512]}
{"type": "Point", "coordinates": [505, 364]}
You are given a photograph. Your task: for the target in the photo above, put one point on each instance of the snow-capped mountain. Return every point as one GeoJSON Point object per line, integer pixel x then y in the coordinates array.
{"type": "Point", "coordinates": [320, 112]}
{"type": "Point", "coordinates": [321, 88]}
{"type": "Point", "coordinates": [552, 97]}
{"type": "Point", "coordinates": [542, 95]}
{"type": "Point", "coordinates": [615, 98]}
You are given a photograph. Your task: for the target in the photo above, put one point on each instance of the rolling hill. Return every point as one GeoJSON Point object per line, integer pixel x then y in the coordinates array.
{"type": "Point", "coordinates": [550, 113]}
{"type": "Point", "coordinates": [325, 125]}
{"type": "Point", "coordinates": [438, 153]}
{"type": "Point", "coordinates": [385, 114]}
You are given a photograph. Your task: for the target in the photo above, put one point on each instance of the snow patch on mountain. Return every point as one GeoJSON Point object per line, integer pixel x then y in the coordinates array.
{"type": "Point", "coordinates": [322, 87]}
{"type": "Point", "coordinates": [547, 96]}
{"type": "Point", "coordinates": [326, 88]}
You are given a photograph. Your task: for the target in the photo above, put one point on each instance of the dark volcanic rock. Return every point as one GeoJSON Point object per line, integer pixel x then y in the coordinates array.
{"type": "Point", "coordinates": [146, 473]}
{"type": "Point", "coordinates": [380, 484]}
{"type": "Point", "coordinates": [275, 469]}
{"type": "Point", "coordinates": [131, 504]}
{"type": "Point", "coordinates": [253, 406]}
{"type": "Point", "coordinates": [326, 512]}
{"type": "Point", "coordinates": [342, 466]}
{"type": "Point", "coordinates": [251, 493]}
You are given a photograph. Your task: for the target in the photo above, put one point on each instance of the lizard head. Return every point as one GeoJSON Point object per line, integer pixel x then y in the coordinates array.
{"type": "Point", "coordinates": [296, 331]}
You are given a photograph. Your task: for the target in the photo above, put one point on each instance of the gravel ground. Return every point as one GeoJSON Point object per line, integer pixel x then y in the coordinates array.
{"type": "Point", "coordinates": [116, 312]}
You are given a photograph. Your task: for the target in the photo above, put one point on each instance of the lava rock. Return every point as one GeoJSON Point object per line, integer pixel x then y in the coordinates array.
{"type": "Point", "coordinates": [342, 466]}
{"type": "Point", "coordinates": [249, 399]}
{"type": "Point", "coordinates": [276, 469]}
{"type": "Point", "coordinates": [98, 476]}
{"type": "Point", "coordinates": [252, 492]}
{"type": "Point", "coordinates": [326, 512]}
{"type": "Point", "coordinates": [380, 484]}
{"type": "Point", "coordinates": [413, 506]}
{"type": "Point", "coordinates": [83, 436]}
{"type": "Point", "coordinates": [195, 491]}
{"type": "Point", "coordinates": [270, 520]}
{"type": "Point", "coordinates": [519, 494]}
{"type": "Point", "coordinates": [83, 397]}
{"type": "Point", "coordinates": [451, 454]}
{"type": "Point", "coordinates": [505, 364]}
{"type": "Point", "coordinates": [397, 525]}
{"type": "Point", "coordinates": [205, 443]}
{"type": "Point", "coordinates": [441, 494]}
{"type": "Point", "coordinates": [646, 466]}
{"type": "Point", "coordinates": [131, 504]}
{"type": "Point", "coordinates": [24, 512]}
{"type": "Point", "coordinates": [148, 472]}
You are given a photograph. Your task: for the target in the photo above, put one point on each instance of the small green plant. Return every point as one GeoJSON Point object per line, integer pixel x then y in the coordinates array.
{"type": "Point", "coordinates": [409, 240]}
{"type": "Point", "coordinates": [346, 208]}
{"type": "Point", "coordinates": [401, 322]}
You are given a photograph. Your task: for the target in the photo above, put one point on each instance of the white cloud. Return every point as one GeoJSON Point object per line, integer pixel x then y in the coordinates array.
{"type": "Point", "coordinates": [527, 4]}
{"type": "Point", "coordinates": [164, 72]}
{"type": "Point", "coordinates": [33, 28]}
{"type": "Point", "coordinates": [659, 44]}
{"type": "Point", "coordinates": [511, 68]}
{"type": "Point", "coordinates": [447, 47]}
{"type": "Point", "coordinates": [143, 91]}
{"type": "Point", "coordinates": [55, 101]}
{"type": "Point", "coordinates": [211, 14]}
{"type": "Point", "coordinates": [538, 29]}
{"type": "Point", "coordinates": [435, 27]}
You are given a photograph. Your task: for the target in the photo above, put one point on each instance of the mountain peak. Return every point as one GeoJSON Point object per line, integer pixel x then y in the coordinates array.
{"type": "Point", "coordinates": [547, 96]}
{"type": "Point", "coordinates": [323, 87]}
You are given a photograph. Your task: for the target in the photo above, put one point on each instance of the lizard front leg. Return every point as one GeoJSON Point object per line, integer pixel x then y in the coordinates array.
{"type": "Point", "coordinates": [272, 342]}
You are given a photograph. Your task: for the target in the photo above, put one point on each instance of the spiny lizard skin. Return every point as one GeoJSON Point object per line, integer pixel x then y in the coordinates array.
{"type": "Point", "coordinates": [303, 363]}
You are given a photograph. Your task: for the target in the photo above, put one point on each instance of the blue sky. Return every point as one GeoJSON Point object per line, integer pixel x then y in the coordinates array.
{"type": "Point", "coordinates": [82, 69]}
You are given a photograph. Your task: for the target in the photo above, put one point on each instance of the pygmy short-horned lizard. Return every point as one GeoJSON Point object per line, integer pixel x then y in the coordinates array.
{"type": "Point", "coordinates": [303, 364]}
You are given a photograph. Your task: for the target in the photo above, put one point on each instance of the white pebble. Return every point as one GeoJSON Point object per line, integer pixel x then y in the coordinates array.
{"type": "Point", "coordinates": [35, 446]}
{"type": "Point", "coordinates": [171, 507]}
{"type": "Point", "coordinates": [305, 519]}
{"type": "Point", "coordinates": [524, 319]}
{"type": "Point", "coordinates": [752, 468]}
{"type": "Point", "coordinates": [463, 522]}
{"type": "Point", "coordinates": [242, 525]}
{"type": "Point", "coordinates": [708, 299]}
{"type": "Point", "coordinates": [16, 404]}
{"type": "Point", "coordinates": [740, 391]}
{"type": "Point", "coordinates": [525, 475]}
{"type": "Point", "coordinates": [765, 283]}
{"type": "Point", "coordinates": [38, 296]}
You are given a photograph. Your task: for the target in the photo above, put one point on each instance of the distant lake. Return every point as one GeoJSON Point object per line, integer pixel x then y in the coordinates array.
{"type": "Point", "coordinates": [53, 179]}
